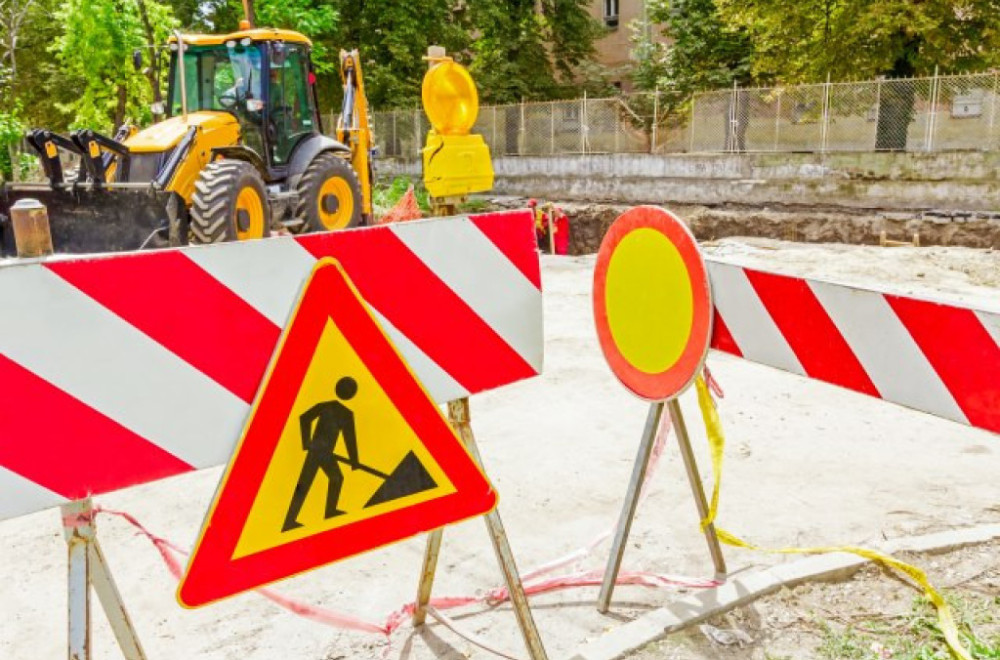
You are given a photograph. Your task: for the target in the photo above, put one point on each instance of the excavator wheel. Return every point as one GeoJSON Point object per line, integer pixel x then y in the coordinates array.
{"type": "Point", "coordinates": [229, 203]}
{"type": "Point", "coordinates": [329, 195]}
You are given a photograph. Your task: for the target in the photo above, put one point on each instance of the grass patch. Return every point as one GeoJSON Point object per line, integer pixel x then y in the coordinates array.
{"type": "Point", "coordinates": [386, 195]}
{"type": "Point", "coordinates": [916, 635]}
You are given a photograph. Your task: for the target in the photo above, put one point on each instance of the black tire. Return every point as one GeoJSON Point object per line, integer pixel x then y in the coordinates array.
{"type": "Point", "coordinates": [214, 215]}
{"type": "Point", "coordinates": [310, 208]}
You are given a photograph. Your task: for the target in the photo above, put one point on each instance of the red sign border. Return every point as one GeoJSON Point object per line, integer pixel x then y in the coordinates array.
{"type": "Point", "coordinates": [212, 574]}
{"type": "Point", "coordinates": [673, 380]}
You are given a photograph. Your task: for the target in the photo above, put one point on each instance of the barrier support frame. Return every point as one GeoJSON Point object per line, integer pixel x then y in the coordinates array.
{"type": "Point", "coordinates": [635, 488]}
{"type": "Point", "coordinates": [458, 415]}
{"type": "Point", "coordinates": [87, 567]}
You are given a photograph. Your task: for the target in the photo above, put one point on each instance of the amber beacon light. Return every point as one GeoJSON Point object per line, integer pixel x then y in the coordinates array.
{"type": "Point", "coordinates": [456, 162]}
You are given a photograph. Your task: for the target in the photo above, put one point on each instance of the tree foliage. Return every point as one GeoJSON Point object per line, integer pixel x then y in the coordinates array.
{"type": "Point", "coordinates": [853, 39]}
{"type": "Point", "coordinates": [702, 51]}
{"type": "Point", "coordinates": [94, 54]}
{"type": "Point", "coordinates": [533, 50]}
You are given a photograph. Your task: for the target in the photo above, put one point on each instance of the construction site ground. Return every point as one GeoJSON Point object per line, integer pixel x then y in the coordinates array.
{"type": "Point", "coordinates": [806, 464]}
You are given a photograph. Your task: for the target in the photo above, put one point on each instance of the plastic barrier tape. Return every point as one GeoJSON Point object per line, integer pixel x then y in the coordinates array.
{"type": "Point", "coordinates": [717, 442]}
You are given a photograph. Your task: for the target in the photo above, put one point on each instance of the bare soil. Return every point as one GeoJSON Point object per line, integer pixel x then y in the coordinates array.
{"type": "Point", "coordinates": [871, 616]}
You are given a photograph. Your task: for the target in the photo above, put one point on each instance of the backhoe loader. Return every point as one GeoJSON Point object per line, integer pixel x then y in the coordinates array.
{"type": "Point", "coordinates": [240, 154]}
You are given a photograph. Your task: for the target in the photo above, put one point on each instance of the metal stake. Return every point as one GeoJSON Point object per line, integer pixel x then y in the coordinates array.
{"type": "Point", "coordinates": [630, 505]}
{"type": "Point", "coordinates": [458, 414]}
{"type": "Point", "coordinates": [427, 576]}
{"type": "Point", "coordinates": [87, 566]}
{"type": "Point", "coordinates": [684, 443]}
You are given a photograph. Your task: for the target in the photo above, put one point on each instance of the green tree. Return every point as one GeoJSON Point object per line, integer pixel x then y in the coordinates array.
{"type": "Point", "coordinates": [702, 51]}
{"type": "Point", "coordinates": [852, 39]}
{"type": "Point", "coordinates": [533, 49]}
{"type": "Point", "coordinates": [95, 56]}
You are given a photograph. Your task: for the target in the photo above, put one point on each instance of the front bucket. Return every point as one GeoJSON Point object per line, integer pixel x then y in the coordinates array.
{"type": "Point", "coordinates": [88, 219]}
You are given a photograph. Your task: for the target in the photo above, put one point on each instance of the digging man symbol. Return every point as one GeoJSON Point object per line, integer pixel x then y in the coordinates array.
{"type": "Point", "coordinates": [332, 419]}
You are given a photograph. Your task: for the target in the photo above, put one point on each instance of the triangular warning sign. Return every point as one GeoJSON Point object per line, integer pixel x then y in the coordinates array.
{"type": "Point", "coordinates": [343, 452]}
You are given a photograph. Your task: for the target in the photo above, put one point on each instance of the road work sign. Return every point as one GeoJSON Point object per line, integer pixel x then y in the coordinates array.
{"type": "Point", "coordinates": [652, 303]}
{"type": "Point", "coordinates": [344, 451]}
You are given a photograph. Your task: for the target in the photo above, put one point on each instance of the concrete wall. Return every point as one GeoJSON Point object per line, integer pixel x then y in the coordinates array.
{"type": "Point", "coordinates": [962, 181]}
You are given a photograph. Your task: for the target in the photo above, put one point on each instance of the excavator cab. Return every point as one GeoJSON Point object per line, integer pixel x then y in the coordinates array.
{"type": "Point", "coordinates": [241, 154]}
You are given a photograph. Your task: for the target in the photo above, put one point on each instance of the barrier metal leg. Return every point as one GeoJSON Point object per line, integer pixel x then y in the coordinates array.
{"type": "Point", "coordinates": [87, 566]}
{"type": "Point", "coordinates": [427, 576]}
{"type": "Point", "coordinates": [684, 442]}
{"type": "Point", "coordinates": [458, 414]}
{"type": "Point", "coordinates": [78, 600]}
{"type": "Point", "coordinates": [630, 505]}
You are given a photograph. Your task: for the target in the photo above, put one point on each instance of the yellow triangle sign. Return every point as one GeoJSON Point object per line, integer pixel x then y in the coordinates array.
{"type": "Point", "coordinates": [343, 452]}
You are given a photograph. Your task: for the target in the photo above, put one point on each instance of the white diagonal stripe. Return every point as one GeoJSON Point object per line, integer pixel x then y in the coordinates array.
{"type": "Point", "coordinates": [992, 324]}
{"type": "Point", "coordinates": [20, 496]}
{"type": "Point", "coordinates": [749, 322]}
{"type": "Point", "coordinates": [480, 274]}
{"type": "Point", "coordinates": [441, 386]}
{"type": "Point", "coordinates": [51, 328]}
{"type": "Point", "coordinates": [268, 273]}
{"type": "Point", "coordinates": [886, 350]}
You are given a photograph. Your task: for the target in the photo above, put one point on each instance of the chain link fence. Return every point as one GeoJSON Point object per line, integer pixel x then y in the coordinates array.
{"type": "Point", "coordinates": [915, 114]}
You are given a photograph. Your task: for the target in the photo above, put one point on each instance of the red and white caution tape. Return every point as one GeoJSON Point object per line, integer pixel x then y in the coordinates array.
{"type": "Point", "coordinates": [536, 581]}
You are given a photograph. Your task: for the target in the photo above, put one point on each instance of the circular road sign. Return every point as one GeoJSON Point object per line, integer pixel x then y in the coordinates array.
{"type": "Point", "coordinates": [652, 303]}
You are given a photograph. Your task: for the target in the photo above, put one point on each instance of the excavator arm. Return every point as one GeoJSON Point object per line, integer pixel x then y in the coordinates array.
{"type": "Point", "coordinates": [353, 128]}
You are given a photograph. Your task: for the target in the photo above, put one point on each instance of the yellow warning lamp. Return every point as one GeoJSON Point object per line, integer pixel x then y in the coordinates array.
{"type": "Point", "coordinates": [456, 162]}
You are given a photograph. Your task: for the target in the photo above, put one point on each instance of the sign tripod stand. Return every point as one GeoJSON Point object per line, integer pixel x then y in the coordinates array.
{"type": "Point", "coordinates": [88, 567]}
{"type": "Point", "coordinates": [653, 311]}
{"type": "Point", "coordinates": [635, 488]}
{"type": "Point", "coordinates": [458, 415]}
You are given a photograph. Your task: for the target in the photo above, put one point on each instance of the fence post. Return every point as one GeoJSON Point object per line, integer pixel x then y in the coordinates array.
{"type": "Point", "coordinates": [878, 110]}
{"type": "Point", "coordinates": [494, 145]}
{"type": "Point", "coordinates": [825, 126]}
{"type": "Point", "coordinates": [694, 97]}
{"type": "Point", "coordinates": [777, 118]}
{"type": "Point", "coordinates": [929, 144]}
{"type": "Point", "coordinates": [416, 133]}
{"type": "Point", "coordinates": [552, 127]}
{"type": "Point", "coordinates": [731, 137]}
{"type": "Point", "coordinates": [656, 119]}
{"type": "Point", "coordinates": [522, 135]}
{"type": "Point", "coordinates": [583, 123]}
{"type": "Point", "coordinates": [395, 143]}
{"type": "Point", "coordinates": [618, 123]}
{"type": "Point", "coordinates": [993, 111]}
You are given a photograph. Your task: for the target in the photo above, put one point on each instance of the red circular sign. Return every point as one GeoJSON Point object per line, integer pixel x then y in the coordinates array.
{"type": "Point", "coordinates": [652, 303]}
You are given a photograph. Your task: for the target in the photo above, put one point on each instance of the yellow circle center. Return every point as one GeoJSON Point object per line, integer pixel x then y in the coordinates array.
{"type": "Point", "coordinates": [343, 211]}
{"type": "Point", "coordinates": [249, 201]}
{"type": "Point", "coordinates": [649, 300]}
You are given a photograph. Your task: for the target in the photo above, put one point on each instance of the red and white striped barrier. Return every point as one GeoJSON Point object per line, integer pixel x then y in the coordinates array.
{"type": "Point", "coordinates": [934, 357]}
{"type": "Point", "coordinates": [117, 370]}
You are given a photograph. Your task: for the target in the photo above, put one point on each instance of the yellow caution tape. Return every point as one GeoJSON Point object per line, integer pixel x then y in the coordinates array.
{"type": "Point", "coordinates": [717, 443]}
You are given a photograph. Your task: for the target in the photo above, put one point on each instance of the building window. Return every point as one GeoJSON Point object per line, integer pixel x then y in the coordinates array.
{"type": "Point", "coordinates": [611, 13]}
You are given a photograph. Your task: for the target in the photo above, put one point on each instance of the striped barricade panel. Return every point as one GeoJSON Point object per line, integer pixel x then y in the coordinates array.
{"type": "Point", "coordinates": [117, 370]}
{"type": "Point", "coordinates": [934, 357]}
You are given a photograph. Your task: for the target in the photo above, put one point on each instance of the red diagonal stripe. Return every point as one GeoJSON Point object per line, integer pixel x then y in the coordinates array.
{"type": "Point", "coordinates": [812, 336]}
{"type": "Point", "coordinates": [961, 351]}
{"type": "Point", "coordinates": [84, 452]}
{"type": "Point", "coordinates": [399, 285]}
{"type": "Point", "coordinates": [722, 339]}
{"type": "Point", "coordinates": [514, 234]}
{"type": "Point", "coordinates": [176, 303]}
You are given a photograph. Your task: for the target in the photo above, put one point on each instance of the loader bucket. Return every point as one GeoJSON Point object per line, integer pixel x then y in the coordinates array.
{"type": "Point", "coordinates": [87, 218]}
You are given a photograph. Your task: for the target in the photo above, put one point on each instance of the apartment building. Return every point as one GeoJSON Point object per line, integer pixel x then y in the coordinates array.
{"type": "Point", "coordinates": [614, 50]}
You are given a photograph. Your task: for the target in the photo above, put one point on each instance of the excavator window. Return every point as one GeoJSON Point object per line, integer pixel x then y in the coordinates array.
{"type": "Point", "coordinates": [291, 111]}
{"type": "Point", "coordinates": [225, 77]}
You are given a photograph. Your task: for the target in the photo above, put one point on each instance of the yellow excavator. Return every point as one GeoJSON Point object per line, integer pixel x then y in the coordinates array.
{"type": "Point", "coordinates": [241, 153]}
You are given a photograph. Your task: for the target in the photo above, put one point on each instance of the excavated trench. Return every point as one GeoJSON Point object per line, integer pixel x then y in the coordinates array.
{"type": "Point", "coordinates": [809, 224]}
